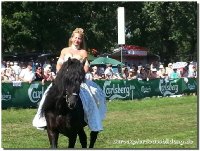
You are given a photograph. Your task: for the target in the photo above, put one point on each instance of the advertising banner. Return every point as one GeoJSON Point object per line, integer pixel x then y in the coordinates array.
{"type": "Point", "coordinates": [21, 94]}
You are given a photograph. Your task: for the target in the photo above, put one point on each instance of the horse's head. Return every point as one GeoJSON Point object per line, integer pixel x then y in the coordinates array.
{"type": "Point", "coordinates": [71, 100]}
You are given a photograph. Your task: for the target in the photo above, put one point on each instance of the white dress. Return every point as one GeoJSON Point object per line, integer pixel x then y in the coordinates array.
{"type": "Point", "coordinates": [93, 100]}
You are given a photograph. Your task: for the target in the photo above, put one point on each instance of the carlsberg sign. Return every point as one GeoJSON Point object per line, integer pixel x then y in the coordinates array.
{"type": "Point", "coordinates": [133, 89]}
{"type": "Point", "coordinates": [35, 92]}
{"type": "Point", "coordinates": [118, 90]}
{"type": "Point", "coordinates": [168, 87]}
{"type": "Point", "coordinates": [28, 95]}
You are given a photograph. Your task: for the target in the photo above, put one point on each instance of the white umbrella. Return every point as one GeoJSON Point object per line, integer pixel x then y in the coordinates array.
{"type": "Point", "coordinates": [179, 65]}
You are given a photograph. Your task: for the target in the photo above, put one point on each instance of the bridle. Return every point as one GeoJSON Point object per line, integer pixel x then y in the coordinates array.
{"type": "Point", "coordinates": [67, 96]}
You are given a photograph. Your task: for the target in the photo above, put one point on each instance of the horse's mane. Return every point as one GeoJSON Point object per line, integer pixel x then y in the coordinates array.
{"type": "Point", "coordinates": [69, 78]}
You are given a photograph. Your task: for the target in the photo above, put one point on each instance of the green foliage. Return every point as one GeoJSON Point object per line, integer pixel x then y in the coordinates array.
{"type": "Point", "coordinates": [169, 29]}
{"type": "Point", "coordinates": [127, 124]}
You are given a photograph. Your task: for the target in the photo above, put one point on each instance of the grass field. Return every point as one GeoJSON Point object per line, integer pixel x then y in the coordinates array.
{"type": "Point", "coordinates": [147, 123]}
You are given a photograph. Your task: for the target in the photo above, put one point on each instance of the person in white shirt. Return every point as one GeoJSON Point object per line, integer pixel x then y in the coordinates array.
{"type": "Point", "coordinates": [88, 74]}
{"type": "Point", "coordinates": [108, 72]}
{"type": "Point", "coordinates": [17, 69]}
{"type": "Point", "coordinates": [168, 70]}
{"type": "Point", "coordinates": [192, 71]}
{"type": "Point", "coordinates": [27, 75]}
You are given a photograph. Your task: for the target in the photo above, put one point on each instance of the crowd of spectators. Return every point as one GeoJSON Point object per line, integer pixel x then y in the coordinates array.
{"type": "Point", "coordinates": [26, 72]}
{"type": "Point", "coordinates": [30, 71]}
{"type": "Point", "coordinates": [143, 72]}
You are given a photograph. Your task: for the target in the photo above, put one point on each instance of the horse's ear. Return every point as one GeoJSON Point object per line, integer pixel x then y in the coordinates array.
{"type": "Point", "coordinates": [69, 60]}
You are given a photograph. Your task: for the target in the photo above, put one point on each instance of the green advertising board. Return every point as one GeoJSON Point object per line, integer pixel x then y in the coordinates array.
{"type": "Point", "coordinates": [136, 89]}
{"type": "Point", "coordinates": [21, 94]}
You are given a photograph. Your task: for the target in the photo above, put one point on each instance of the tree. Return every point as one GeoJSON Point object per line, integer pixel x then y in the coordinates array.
{"type": "Point", "coordinates": [166, 28]}
{"type": "Point", "coordinates": [36, 26]}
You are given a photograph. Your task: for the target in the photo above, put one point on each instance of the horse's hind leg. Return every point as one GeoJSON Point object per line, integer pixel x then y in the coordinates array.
{"type": "Point", "coordinates": [53, 138]}
{"type": "Point", "coordinates": [93, 137]}
{"type": "Point", "coordinates": [82, 138]}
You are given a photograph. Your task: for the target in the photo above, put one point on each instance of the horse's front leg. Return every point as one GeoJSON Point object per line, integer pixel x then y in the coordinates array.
{"type": "Point", "coordinates": [53, 138]}
{"type": "Point", "coordinates": [82, 138]}
{"type": "Point", "coordinates": [72, 140]}
{"type": "Point", "coordinates": [93, 137]}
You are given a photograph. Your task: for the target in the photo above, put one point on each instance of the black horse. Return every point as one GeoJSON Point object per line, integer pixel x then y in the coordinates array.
{"type": "Point", "coordinates": [63, 108]}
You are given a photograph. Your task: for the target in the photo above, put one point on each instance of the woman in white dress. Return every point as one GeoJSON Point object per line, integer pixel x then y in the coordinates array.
{"type": "Point", "coordinates": [92, 96]}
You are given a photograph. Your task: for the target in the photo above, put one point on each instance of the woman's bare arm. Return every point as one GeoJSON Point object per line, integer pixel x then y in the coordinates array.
{"type": "Point", "coordinates": [84, 55]}
{"type": "Point", "coordinates": [60, 60]}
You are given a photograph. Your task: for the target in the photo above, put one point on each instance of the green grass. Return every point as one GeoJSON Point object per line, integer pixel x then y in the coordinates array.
{"type": "Point", "coordinates": [129, 124]}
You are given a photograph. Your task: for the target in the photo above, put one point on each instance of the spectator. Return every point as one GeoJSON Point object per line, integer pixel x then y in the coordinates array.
{"type": "Point", "coordinates": [108, 72]}
{"type": "Point", "coordinates": [192, 73]}
{"type": "Point", "coordinates": [148, 71]}
{"type": "Point", "coordinates": [125, 73]}
{"type": "Point", "coordinates": [132, 74]}
{"type": "Point", "coordinates": [9, 72]}
{"type": "Point", "coordinates": [154, 64]}
{"type": "Point", "coordinates": [168, 70]}
{"type": "Point", "coordinates": [101, 70]}
{"type": "Point", "coordinates": [53, 64]}
{"type": "Point", "coordinates": [3, 64]}
{"type": "Point", "coordinates": [139, 69]}
{"type": "Point", "coordinates": [11, 64]}
{"type": "Point", "coordinates": [161, 71]}
{"type": "Point", "coordinates": [103, 77]}
{"type": "Point", "coordinates": [48, 75]}
{"type": "Point", "coordinates": [195, 72]}
{"type": "Point", "coordinates": [174, 74]}
{"type": "Point", "coordinates": [27, 75]}
{"type": "Point", "coordinates": [88, 75]}
{"type": "Point", "coordinates": [4, 77]}
{"type": "Point", "coordinates": [184, 72]}
{"type": "Point", "coordinates": [154, 74]}
{"type": "Point", "coordinates": [128, 67]}
{"type": "Point", "coordinates": [17, 69]}
{"type": "Point", "coordinates": [142, 75]}
{"type": "Point", "coordinates": [46, 63]}
{"type": "Point", "coordinates": [22, 65]}
{"type": "Point", "coordinates": [95, 73]}
{"type": "Point", "coordinates": [134, 67]}
{"type": "Point", "coordinates": [38, 73]}
{"type": "Point", "coordinates": [116, 73]}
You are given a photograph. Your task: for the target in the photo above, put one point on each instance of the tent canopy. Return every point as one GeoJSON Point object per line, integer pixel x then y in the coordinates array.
{"type": "Point", "coordinates": [106, 60]}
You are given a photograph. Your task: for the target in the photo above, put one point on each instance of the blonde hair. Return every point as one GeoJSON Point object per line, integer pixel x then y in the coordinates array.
{"type": "Point", "coordinates": [81, 32]}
